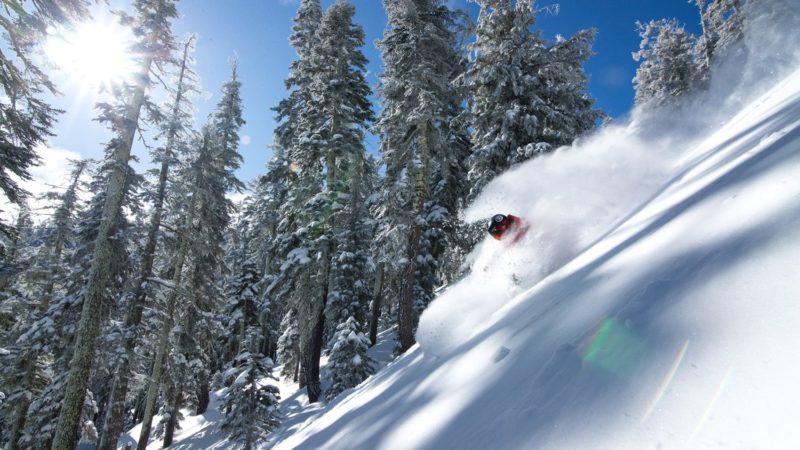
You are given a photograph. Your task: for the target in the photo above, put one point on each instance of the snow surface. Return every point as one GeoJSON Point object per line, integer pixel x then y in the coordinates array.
{"type": "Point", "coordinates": [665, 317]}
{"type": "Point", "coordinates": [202, 432]}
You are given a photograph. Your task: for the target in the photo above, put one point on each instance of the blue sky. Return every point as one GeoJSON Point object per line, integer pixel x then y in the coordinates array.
{"type": "Point", "coordinates": [257, 31]}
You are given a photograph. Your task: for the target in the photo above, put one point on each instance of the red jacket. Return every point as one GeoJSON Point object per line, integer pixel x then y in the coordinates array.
{"type": "Point", "coordinates": [511, 226]}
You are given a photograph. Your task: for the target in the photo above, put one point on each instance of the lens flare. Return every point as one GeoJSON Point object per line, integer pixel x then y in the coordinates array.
{"type": "Point", "coordinates": [94, 54]}
{"type": "Point", "coordinates": [613, 348]}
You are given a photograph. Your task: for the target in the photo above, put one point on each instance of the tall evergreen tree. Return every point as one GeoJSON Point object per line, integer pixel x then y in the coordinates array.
{"type": "Point", "coordinates": [208, 177]}
{"type": "Point", "coordinates": [175, 129]}
{"type": "Point", "coordinates": [27, 373]}
{"type": "Point", "coordinates": [56, 331]}
{"type": "Point", "coordinates": [331, 137]}
{"type": "Point", "coordinates": [528, 97]}
{"type": "Point", "coordinates": [152, 25]}
{"type": "Point", "coordinates": [416, 130]}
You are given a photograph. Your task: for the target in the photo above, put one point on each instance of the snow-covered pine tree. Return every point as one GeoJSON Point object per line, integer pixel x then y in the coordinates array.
{"type": "Point", "coordinates": [289, 346]}
{"type": "Point", "coordinates": [151, 25]}
{"type": "Point", "coordinates": [668, 67]}
{"type": "Point", "coordinates": [208, 177]}
{"type": "Point", "coordinates": [292, 177]}
{"type": "Point", "coordinates": [214, 215]}
{"type": "Point", "coordinates": [331, 136]}
{"type": "Point", "coordinates": [303, 39]}
{"type": "Point", "coordinates": [11, 245]}
{"type": "Point", "coordinates": [249, 405]}
{"type": "Point", "coordinates": [23, 376]}
{"type": "Point", "coordinates": [349, 363]}
{"type": "Point", "coordinates": [26, 118]}
{"type": "Point", "coordinates": [54, 334]}
{"type": "Point", "coordinates": [270, 215]}
{"type": "Point", "coordinates": [174, 120]}
{"type": "Point", "coordinates": [353, 231]}
{"type": "Point", "coordinates": [241, 309]}
{"type": "Point", "coordinates": [528, 97]}
{"type": "Point", "coordinates": [27, 373]}
{"type": "Point", "coordinates": [722, 23]}
{"type": "Point", "coordinates": [417, 140]}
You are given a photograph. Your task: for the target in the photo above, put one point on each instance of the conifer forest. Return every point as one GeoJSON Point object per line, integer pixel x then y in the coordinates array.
{"type": "Point", "coordinates": [153, 284]}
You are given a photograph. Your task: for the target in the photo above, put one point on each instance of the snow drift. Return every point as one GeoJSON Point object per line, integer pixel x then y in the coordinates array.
{"type": "Point", "coordinates": [653, 305]}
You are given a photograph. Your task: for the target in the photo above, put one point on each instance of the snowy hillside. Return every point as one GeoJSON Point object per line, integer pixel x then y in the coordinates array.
{"type": "Point", "coordinates": [676, 329]}
{"type": "Point", "coordinates": [652, 304]}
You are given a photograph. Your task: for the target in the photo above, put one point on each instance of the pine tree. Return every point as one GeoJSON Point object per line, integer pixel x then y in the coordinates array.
{"type": "Point", "coordinates": [27, 373]}
{"type": "Point", "coordinates": [353, 230]}
{"type": "Point", "coordinates": [251, 409]}
{"type": "Point", "coordinates": [241, 309]}
{"type": "Point", "coordinates": [54, 333]}
{"type": "Point", "coordinates": [208, 176]}
{"type": "Point", "coordinates": [292, 177]}
{"type": "Point", "coordinates": [289, 346]}
{"type": "Point", "coordinates": [175, 129]}
{"type": "Point", "coordinates": [303, 39]}
{"type": "Point", "coordinates": [528, 97]}
{"type": "Point", "coordinates": [331, 132]}
{"type": "Point", "coordinates": [264, 245]}
{"type": "Point", "coordinates": [153, 25]}
{"type": "Point", "coordinates": [417, 132]}
{"type": "Point", "coordinates": [722, 22]}
{"type": "Point", "coordinates": [26, 118]}
{"type": "Point", "coordinates": [349, 363]}
{"type": "Point", "coordinates": [668, 68]}
{"type": "Point", "coordinates": [24, 375]}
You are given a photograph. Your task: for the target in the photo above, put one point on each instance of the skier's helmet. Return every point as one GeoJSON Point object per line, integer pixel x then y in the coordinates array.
{"type": "Point", "coordinates": [498, 225]}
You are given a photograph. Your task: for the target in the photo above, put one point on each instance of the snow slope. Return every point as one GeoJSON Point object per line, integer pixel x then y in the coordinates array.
{"type": "Point", "coordinates": [202, 432]}
{"type": "Point", "coordinates": [662, 312]}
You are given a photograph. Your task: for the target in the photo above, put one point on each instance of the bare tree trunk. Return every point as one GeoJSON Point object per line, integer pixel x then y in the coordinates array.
{"type": "Point", "coordinates": [377, 298]}
{"type": "Point", "coordinates": [89, 327]}
{"type": "Point", "coordinates": [406, 317]}
{"type": "Point", "coordinates": [174, 410]}
{"type": "Point", "coordinates": [203, 397]}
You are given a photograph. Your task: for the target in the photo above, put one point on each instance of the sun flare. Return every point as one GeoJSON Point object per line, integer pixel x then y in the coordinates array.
{"type": "Point", "coordinates": [95, 54]}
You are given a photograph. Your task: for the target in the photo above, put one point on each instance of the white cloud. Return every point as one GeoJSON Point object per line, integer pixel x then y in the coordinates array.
{"type": "Point", "coordinates": [53, 171]}
{"type": "Point", "coordinates": [51, 174]}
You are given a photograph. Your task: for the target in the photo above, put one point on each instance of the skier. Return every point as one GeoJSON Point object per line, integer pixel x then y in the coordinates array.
{"type": "Point", "coordinates": [507, 225]}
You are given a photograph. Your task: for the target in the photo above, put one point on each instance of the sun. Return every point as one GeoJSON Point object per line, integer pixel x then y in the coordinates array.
{"type": "Point", "coordinates": [95, 55]}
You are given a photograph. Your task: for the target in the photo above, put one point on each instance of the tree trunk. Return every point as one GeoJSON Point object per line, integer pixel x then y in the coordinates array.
{"type": "Point", "coordinates": [406, 317]}
{"type": "Point", "coordinates": [377, 298]}
{"type": "Point", "coordinates": [89, 327]}
{"type": "Point", "coordinates": [203, 397]}
{"type": "Point", "coordinates": [115, 410]}
{"type": "Point", "coordinates": [163, 339]}
{"type": "Point", "coordinates": [19, 424]}
{"type": "Point", "coordinates": [174, 410]}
